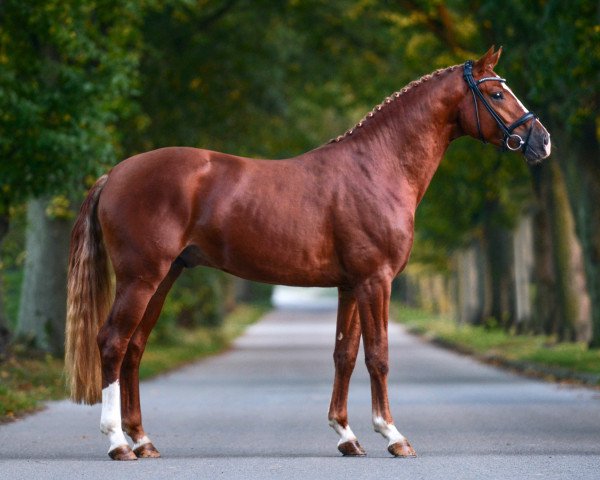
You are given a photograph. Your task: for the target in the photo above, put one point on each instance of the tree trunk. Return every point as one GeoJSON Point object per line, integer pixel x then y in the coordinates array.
{"type": "Point", "coordinates": [571, 279]}
{"type": "Point", "coordinates": [499, 254]}
{"type": "Point", "coordinates": [472, 285]}
{"type": "Point", "coordinates": [546, 316]}
{"type": "Point", "coordinates": [591, 250]}
{"type": "Point", "coordinates": [434, 287]}
{"type": "Point", "coordinates": [563, 304]}
{"type": "Point", "coordinates": [42, 311]}
{"type": "Point", "coordinates": [523, 266]}
{"type": "Point", "coordinates": [579, 164]}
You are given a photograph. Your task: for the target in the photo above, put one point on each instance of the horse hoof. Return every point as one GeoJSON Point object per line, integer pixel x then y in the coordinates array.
{"type": "Point", "coordinates": [402, 449]}
{"type": "Point", "coordinates": [351, 449]}
{"type": "Point", "coordinates": [122, 452]}
{"type": "Point", "coordinates": [147, 450]}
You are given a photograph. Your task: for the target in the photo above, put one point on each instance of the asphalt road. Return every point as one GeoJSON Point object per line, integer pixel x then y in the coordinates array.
{"type": "Point", "coordinates": [260, 411]}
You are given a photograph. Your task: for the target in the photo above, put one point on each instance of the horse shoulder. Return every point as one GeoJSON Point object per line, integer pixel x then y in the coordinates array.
{"type": "Point", "coordinates": [374, 226]}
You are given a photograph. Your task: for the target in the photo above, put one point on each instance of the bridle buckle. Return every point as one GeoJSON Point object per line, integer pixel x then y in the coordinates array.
{"type": "Point", "coordinates": [518, 138]}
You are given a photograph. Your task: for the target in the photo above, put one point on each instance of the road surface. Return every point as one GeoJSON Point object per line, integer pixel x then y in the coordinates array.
{"type": "Point", "coordinates": [260, 411]}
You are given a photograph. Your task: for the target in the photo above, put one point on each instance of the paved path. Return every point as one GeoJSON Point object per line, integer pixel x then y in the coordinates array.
{"type": "Point", "coordinates": [259, 411]}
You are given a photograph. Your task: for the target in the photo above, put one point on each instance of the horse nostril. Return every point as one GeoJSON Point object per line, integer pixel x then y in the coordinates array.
{"type": "Point", "coordinates": [546, 139]}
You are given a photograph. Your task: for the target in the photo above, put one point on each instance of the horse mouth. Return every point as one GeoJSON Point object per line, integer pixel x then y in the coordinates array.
{"type": "Point", "coordinates": [534, 157]}
{"type": "Point", "coordinates": [538, 149]}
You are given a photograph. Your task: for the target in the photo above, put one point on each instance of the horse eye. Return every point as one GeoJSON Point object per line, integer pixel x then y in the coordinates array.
{"type": "Point", "coordinates": [497, 96]}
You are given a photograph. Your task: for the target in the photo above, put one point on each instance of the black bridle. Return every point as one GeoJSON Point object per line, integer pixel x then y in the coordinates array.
{"type": "Point", "coordinates": [509, 136]}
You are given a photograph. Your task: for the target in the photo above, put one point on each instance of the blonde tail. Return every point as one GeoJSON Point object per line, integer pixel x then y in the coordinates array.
{"type": "Point", "coordinates": [89, 298]}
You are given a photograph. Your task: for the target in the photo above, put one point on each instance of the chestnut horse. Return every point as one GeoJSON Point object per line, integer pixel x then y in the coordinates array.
{"type": "Point", "coordinates": [341, 215]}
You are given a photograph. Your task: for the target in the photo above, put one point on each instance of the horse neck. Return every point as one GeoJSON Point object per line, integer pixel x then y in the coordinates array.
{"type": "Point", "coordinates": [406, 140]}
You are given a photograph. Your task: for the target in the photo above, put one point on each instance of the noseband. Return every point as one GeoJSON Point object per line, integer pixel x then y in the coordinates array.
{"type": "Point", "coordinates": [511, 141]}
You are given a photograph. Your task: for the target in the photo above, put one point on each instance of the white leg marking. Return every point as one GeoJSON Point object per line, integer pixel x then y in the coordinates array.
{"type": "Point", "coordinates": [110, 420]}
{"type": "Point", "coordinates": [142, 441]}
{"type": "Point", "coordinates": [345, 433]}
{"type": "Point", "coordinates": [388, 430]}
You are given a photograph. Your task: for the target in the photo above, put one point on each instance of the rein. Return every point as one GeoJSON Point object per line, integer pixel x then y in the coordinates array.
{"type": "Point", "coordinates": [508, 130]}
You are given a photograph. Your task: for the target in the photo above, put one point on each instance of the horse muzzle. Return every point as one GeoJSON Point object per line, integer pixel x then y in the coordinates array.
{"type": "Point", "coordinates": [539, 145]}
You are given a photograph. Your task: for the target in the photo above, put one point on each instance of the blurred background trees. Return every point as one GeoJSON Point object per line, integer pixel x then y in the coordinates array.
{"type": "Point", "coordinates": [67, 72]}
{"type": "Point", "coordinates": [84, 84]}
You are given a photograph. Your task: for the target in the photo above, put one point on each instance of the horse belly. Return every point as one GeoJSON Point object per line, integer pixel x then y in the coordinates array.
{"type": "Point", "coordinates": [273, 250]}
{"type": "Point", "coordinates": [299, 271]}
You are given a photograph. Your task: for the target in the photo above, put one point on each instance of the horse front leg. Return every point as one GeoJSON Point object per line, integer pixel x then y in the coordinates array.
{"type": "Point", "coordinates": [373, 297]}
{"type": "Point", "coordinates": [131, 413]}
{"type": "Point", "coordinates": [347, 340]}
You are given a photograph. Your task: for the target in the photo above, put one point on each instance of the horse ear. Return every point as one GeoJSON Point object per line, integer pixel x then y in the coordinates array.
{"type": "Point", "coordinates": [488, 61]}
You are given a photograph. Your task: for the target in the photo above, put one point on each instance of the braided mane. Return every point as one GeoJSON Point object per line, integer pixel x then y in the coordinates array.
{"type": "Point", "coordinates": [393, 97]}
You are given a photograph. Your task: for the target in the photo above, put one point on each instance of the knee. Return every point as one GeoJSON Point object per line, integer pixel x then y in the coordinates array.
{"type": "Point", "coordinates": [112, 347]}
{"type": "Point", "coordinates": [377, 365]}
{"type": "Point", "coordinates": [344, 361]}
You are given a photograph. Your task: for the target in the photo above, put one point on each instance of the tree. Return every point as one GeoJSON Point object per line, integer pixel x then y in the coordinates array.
{"type": "Point", "coordinates": [556, 60]}
{"type": "Point", "coordinates": [553, 62]}
{"type": "Point", "coordinates": [67, 68]}
{"type": "Point", "coordinates": [41, 320]}
{"type": "Point", "coordinates": [273, 79]}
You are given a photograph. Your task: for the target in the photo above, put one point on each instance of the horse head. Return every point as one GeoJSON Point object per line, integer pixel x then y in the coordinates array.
{"type": "Point", "coordinates": [491, 112]}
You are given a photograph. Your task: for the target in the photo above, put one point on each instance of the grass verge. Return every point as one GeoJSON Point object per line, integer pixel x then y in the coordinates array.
{"type": "Point", "coordinates": [27, 380]}
{"type": "Point", "coordinates": [534, 355]}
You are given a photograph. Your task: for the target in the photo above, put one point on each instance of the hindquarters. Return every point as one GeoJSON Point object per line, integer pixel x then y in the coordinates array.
{"type": "Point", "coordinates": [145, 212]}
{"type": "Point", "coordinates": [128, 218]}
{"type": "Point", "coordinates": [147, 209]}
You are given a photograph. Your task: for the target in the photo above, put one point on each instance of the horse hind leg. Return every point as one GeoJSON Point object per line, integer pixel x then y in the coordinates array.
{"type": "Point", "coordinates": [344, 356]}
{"type": "Point", "coordinates": [131, 414]}
{"type": "Point", "coordinates": [373, 297]}
{"type": "Point", "coordinates": [133, 294]}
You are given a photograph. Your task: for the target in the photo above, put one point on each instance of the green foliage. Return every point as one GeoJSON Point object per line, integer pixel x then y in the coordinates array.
{"type": "Point", "coordinates": [274, 79]}
{"type": "Point", "coordinates": [12, 246]}
{"type": "Point", "coordinates": [12, 281]}
{"type": "Point", "coordinates": [12, 258]}
{"type": "Point", "coordinates": [200, 90]}
{"type": "Point", "coordinates": [197, 299]}
{"type": "Point", "coordinates": [67, 70]}
{"type": "Point", "coordinates": [553, 52]}
{"type": "Point", "coordinates": [474, 186]}
{"type": "Point", "coordinates": [256, 293]}
{"type": "Point", "coordinates": [197, 343]}
{"type": "Point", "coordinates": [495, 343]}
{"type": "Point", "coordinates": [555, 58]}
{"type": "Point", "coordinates": [27, 380]}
